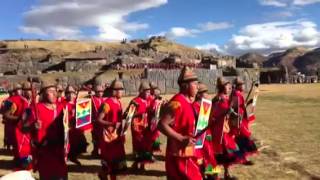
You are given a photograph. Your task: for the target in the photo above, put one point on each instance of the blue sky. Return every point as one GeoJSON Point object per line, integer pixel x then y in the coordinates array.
{"type": "Point", "coordinates": [230, 26]}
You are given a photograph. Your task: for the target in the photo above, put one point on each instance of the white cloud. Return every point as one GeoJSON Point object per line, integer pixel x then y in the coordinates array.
{"type": "Point", "coordinates": [60, 18]}
{"type": "Point", "coordinates": [285, 3]}
{"type": "Point", "coordinates": [212, 26]}
{"type": "Point", "coordinates": [178, 32]}
{"type": "Point", "coordinates": [209, 46]}
{"type": "Point", "coordinates": [276, 3]}
{"type": "Point", "coordinates": [305, 2]}
{"type": "Point", "coordinates": [274, 36]}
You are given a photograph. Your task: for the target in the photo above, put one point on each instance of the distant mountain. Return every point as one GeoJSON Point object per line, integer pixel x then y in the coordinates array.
{"type": "Point", "coordinates": [309, 63]}
{"type": "Point", "coordinates": [286, 58]}
{"type": "Point", "coordinates": [249, 59]}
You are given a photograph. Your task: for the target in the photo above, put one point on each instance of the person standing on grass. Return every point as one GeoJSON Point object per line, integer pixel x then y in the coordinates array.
{"type": "Point", "coordinates": [14, 113]}
{"type": "Point", "coordinates": [97, 99]}
{"type": "Point", "coordinates": [177, 122]}
{"type": "Point", "coordinates": [113, 156]}
{"type": "Point", "coordinates": [141, 148]}
{"type": "Point", "coordinates": [224, 145]}
{"type": "Point", "coordinates": [48, 134]}
{"type": "Point", "coordinates": [9, 127]}
{"type": "Point", "coordinates": [154, 134]}
{"type": "Point", "coordinates": [206, 155]}
{"type": "Point", "coordinates": [77, 139]}
{"type": "Point", "coordinates": [242, 132]}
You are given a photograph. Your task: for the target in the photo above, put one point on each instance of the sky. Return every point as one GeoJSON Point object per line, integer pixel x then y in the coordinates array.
{"type": "Point", "coordinates": [229, 26]}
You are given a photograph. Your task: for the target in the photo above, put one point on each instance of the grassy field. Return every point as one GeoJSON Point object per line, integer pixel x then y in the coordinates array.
{"type": "Point", "coordinates": [287, 130]}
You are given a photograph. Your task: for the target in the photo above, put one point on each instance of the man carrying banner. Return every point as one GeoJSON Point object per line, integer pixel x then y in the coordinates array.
{"type": "Point", "coordinates": [48, 137]}
{"type": "Point", "coordinates": [177, 122]}
{"type": "Point", "coordinates": [243, 133]}
{"type": "Point", "coordinates": [141, 147]}
{"type": "Point", "coordinates": [224, 145]}
{"type": "Point", "coordinates": [111, 143]}
{"type": "Point", "coordinates": [206, 158]}
{"type": "Point", "coordinates": [77, 139]}
{"type": "Point", "coordinates": [96, 132]}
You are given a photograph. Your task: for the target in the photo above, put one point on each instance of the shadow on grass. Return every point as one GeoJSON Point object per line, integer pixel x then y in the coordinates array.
{"type": "Point", "coordinates": [6, 164]}
{"type": "Point", "coordinates": [94, 169]}
{"type": "Point", "coordinates": [5, 152]}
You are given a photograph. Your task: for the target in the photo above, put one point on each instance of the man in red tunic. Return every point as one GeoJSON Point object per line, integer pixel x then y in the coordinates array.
{"type": "Point", "coordinates": [112, 144]}
{"type": "Point", "coordinates": [48, 137]}
{"type": "Point", "coordinates": [206, 155]}
{"type": "Point", "coordinates": [243, 134]}
{"type": "Point", "coordinates": [140, 143]}
{"type": "Point", "coordinates": [177, 122]}
{"type": "Point", "coordinates": [77, 139]}
{"type": "Point", "coordinates": [96, 132]}
{"type": "Point", "coordinates": [9, 126]}
{"type": "Point", "coordinates": [15, 108]}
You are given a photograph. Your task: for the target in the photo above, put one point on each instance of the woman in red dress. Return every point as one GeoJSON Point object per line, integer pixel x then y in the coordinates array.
{"type": "Point", "coordinates": [224, 145]}
{"type": "Point", "coordinates": [242, 132]}
{"type": "Point", "coordinates": [113, 156]}
{"type": "Point", "coordinates": [206, 155]}
{"type": "Point", "coordinates": [177, 122]}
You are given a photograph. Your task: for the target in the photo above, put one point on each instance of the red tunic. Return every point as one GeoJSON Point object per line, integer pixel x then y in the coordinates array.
{"type": "Point", "coordinates": [244, 127]}
{"type": "Point", "coordinates": [246, 145]}
{"type": "Point", "coordinates": [140, 143]}
{"type": "Point", "coordinates": [223, 141]}
{"type": "Point", "coordinates": [97, 130]}
{"type": "Point", "coordinates": [154, 140]}
{"type": "Point", "coordinates": [206, 154]}
{"type": "Point", "coordinates": [77, 139]}
{"type": "Point", "coordinates": [22, 147]}
{"type": "Point", "coordinates": [181, 164]}
{"type": "Point", "coordinates": [112, 145]}
{"type": "Point", "coordinates": [50, 139]}
{"type": "Point", "coordinates": [9, 127]}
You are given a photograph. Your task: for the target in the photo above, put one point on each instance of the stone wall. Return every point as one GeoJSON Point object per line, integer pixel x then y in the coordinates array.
{"type": "Point", "coordinates": [167, 80]}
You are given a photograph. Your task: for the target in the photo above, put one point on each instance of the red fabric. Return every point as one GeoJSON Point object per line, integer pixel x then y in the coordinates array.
{"type": "Point", "coordinates": [152, 135]}
{"type": "Point", "coordinates": [244, 127]}
{"type": "Point", "coordinates": [178, 167]}
{"type": "Point", "coordinates": [218, 111]}
{"type": "Point", "coordinates": [97, 130]}
{"type": "Point", "coordinates": [113, 152]}
{"type": "Point", "coordinates": [50, 153]}
{"type": "Point", "coordinates": [182, 168]}
{"type": "Point", "coordinates": [77, 138]}
{"type": "Point", "coordinates": [207, 152]}
{"type": "Point", "coordinates": [61, 100]}
{"type": "Point", "coordinates": [9, 129]}
{"type": "Point", "coordinates": [22, 147]}
{"type": "Point", "coordinates": [184, 122]}
{"type": "Point", "coordinates": [139, 125]}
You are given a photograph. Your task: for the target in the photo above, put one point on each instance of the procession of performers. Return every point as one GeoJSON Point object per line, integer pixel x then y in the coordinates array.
{"type": "Point", "coordinates": [36, 135]}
